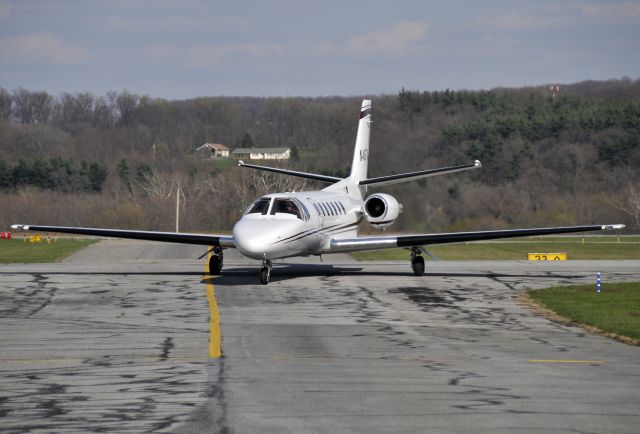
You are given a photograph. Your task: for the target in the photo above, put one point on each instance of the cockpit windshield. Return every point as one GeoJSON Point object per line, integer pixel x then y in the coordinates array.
{"type": "Point", "coordinates": [287, 206]}
{"type": "Point", "coordinates": [260, 206]}
{"type": "Point", "coordinates": [280, 205]}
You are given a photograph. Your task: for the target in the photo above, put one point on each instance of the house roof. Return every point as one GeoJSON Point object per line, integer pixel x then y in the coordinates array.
{"type": "Point", "coordinates": [259, 150]}
{"type": "Point", "coordinates": [216, 146]}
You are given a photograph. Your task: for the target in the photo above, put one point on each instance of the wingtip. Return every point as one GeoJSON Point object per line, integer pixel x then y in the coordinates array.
{"type": "Point", "coordinates": [611, 227]}
{"type": "Point", "coordinates": [240, 163]}
{"type": "Point", "coordinates": [16, 226]}
{"type": "Point", "coordinates": [477, 163]}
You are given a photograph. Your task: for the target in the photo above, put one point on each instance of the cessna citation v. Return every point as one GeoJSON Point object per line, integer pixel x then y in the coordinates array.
{"type": "Point", "coordinates": [282, 225]}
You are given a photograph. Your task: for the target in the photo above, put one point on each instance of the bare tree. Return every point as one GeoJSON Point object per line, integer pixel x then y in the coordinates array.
{"type": "Point", "coordinates": [629, 203]}
{"type": "Point", "coordinates": [160, 186]}
{"type": "Point", "coordinates": [42, 106]}
{"type": "Point", "coordinates": [5, 104]}
{"type": "Point", "coordinates": [127, 103]}
{"type": "Point", "coordinates": [23, 105]}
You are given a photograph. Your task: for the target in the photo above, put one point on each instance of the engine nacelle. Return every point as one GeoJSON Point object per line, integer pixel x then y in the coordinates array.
{"type": "Point", "coordinates": [381, 210]}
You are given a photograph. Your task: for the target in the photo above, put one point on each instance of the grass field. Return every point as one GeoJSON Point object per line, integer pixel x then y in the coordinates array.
{"type": "Point", "coordinates": [615, 310]}
{"type": "Point", "coordinates": [601, 247]}
{"type": "Point", "coordinates": [17, 251]}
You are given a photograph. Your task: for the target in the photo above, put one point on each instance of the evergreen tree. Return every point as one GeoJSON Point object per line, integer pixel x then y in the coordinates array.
{"type": "Point", "coordinates": [143, 173]}
{"type": "Point", "coordinates": [97, 175]}
{"type": "Point", "coordinates": [6, 175]}
{"type": "Point", "coordinates": [247, 141]}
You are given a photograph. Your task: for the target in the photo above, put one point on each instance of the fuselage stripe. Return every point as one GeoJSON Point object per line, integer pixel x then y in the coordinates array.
{"type": "Point", "coordinates": [340, 229]}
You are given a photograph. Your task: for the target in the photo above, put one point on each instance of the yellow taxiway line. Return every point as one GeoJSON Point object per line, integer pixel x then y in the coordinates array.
{"type": "Point", "coordinates": [215, 347]}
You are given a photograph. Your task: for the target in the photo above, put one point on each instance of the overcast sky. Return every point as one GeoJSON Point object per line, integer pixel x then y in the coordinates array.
{"type": "Point", "coordinates": [186, 48]}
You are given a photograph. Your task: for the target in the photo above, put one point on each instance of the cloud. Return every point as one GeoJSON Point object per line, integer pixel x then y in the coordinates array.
{"type": "Point", "coordinates": [612, 12]}
{"type": "Point", "coordinates": [187, 24]}
{"type": "Point", "coordinates": [41, 48]}
{"type": "Point", "coordinates": [206, 56]}
{"type": "Point", "coordinates": [212, 56]}
{"type": "Point", "coordinates": [560, 15]}
{"type": "Point", "coordinates": [403, 38]}
{"type": "Point", "coordinates": [518, 21]}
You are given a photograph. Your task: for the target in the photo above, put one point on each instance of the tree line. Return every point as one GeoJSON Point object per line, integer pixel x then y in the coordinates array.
{"type": "Point", "coordinates": [65, 175]}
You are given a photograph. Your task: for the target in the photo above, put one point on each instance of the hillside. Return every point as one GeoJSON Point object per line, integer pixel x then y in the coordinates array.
{"type": "Point", "coordinates": [81, 159]}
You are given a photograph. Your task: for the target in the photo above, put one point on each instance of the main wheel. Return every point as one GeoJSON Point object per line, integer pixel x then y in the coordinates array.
{"type": "Point", "coordinates": [418, 266]}
{"type": "Point", "coordinates": [215, 264]}
{"type": "Point", "coordinates": [264, 275]}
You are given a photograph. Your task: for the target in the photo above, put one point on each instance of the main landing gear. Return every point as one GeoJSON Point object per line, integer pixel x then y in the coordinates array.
{"type": "Point", "coordinates": [417, 261]}
{"type": "Point", "coordinates": [265, 271]}
{"type": "Point", "coordinates": [215, 261]}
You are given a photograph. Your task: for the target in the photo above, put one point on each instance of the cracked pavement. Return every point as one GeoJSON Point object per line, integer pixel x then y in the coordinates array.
{"type": "Point", "coordinates": [120, 344]}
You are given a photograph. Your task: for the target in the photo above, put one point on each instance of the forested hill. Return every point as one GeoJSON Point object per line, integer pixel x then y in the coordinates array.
{"type": "Point", "coordinates": [118, 159]}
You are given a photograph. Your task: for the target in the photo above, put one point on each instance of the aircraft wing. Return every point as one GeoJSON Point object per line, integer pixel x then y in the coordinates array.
{"type": "Point", "coordinates": [375, 243]}
{"type": "Point", "coordinates": [169, 237]}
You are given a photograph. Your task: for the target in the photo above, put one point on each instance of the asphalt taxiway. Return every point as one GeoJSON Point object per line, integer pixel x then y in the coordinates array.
{"type": "Point", "coordinates": [120, 337]}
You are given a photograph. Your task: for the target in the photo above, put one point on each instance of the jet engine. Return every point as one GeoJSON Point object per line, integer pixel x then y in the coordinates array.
{"type": "Point", "coordinates": [381, 210]}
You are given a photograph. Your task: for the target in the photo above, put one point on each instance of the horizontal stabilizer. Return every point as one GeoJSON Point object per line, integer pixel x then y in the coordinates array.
{"type": "Point", "coordinates": [315, 177]}
{"type": "Point", "coordinates": [412, 176]}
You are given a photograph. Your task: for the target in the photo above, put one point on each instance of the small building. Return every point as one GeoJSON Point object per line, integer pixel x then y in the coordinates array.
{"type": "Point", "coordinates": [213, 150]}
{"type": "Point", "coordinates": [262, 153]}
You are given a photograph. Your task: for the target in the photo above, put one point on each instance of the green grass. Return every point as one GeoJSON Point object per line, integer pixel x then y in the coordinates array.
{"type": "Point", "coordinates": [604, 247]}
{"type": "Point", "coordinates": [17, 251]}
{"type": "Point", "coordinates": [614, 310]}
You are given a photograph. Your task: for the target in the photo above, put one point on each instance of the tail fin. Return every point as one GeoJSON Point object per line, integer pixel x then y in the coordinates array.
{"type": "Point", "coordinates": [361, 151]}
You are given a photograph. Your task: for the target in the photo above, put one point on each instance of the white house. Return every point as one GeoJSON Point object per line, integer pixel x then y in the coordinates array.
{"type": "Point", "coordinates": [262, 153]}
{"type": "Point", "coordinates": [214, 150]}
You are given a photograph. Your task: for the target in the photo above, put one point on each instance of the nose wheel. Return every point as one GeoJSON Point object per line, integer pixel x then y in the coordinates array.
{"type": "Point", "coordinates": [265, 272]}
{"type": "Point", "coordinates": [417, 262]}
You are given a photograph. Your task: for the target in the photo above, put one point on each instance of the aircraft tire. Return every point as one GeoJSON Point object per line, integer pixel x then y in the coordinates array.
{"type": "Point", "coordinates": [215, 264]}
{"type": "Point", "coordinates": [418, 266]}
{"type": "Point", "coordinates": [264, 275]}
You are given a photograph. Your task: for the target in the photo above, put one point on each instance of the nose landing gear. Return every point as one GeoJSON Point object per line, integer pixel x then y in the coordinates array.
{"type": "Point", "coordinates": [417, 261]}
{"type": "Point", "coordinates": [265, 271]}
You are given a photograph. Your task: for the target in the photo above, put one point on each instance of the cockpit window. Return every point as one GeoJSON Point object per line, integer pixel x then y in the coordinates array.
{"type": "Point", "coordinates": [260, 206]}
{"type": "Point", "coordinates": [305, 212]}
{"type": "Point", "coordinates": [287, 206]}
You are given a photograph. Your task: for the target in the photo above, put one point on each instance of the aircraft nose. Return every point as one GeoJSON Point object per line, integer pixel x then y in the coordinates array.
{"type": "Point", "coordinates": [252, 238]}
{"type": "Point", "coordinates": [259, 238]}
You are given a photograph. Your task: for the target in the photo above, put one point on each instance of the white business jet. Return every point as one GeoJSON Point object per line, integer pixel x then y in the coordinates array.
{"type": "Point", "coordinates": [282, 225]}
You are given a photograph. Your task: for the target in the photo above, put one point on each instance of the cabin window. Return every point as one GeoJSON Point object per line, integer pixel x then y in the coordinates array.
{"type": "Point", "coordinates": [328, 209]}
{"type": "Point", "coordinates": [260, 206]}
{"type": "Point", "coordinates": [333, 207]}
{"type": "Point", "coordinates": [286, 206]}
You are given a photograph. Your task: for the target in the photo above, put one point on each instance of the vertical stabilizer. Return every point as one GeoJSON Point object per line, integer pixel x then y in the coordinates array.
{"type": "Point", "coordinates": [361, 152]}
